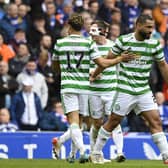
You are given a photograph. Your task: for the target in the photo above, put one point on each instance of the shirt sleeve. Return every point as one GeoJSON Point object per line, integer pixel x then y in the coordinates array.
{"type": "Point", "coordinates": [117, 46]}
{"type": "Point", "coordinates": [159, 54]}
{"type": "Point", "coordinates": [94, 51]}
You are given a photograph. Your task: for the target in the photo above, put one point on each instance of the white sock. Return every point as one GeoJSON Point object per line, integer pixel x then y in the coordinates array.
{"type": "Point", "coordinates": [64, 137]}
{"type": "Point", "coordinates": [93, 136]}
{"type": "Point", "coordinates": [161, 142]}
{"type": "Point", "coordinates": [103, 136]}
{"type": "Point", "coordinates": [77, 137]}
{"type": "Point", "coordinates": [118, 139]}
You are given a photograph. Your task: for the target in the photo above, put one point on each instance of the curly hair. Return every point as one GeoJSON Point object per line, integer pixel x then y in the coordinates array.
{"type": "Point", "coordinates": [76, 21]}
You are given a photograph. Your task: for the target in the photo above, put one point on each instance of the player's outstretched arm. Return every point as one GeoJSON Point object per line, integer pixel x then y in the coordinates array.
{"type": "Point", "coordinates": [111, 60]}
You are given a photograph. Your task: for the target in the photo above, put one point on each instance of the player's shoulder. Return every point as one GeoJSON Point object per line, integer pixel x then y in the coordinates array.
{"type": "Point", "coordinates": [153, 41]}
{"type": "Point", "coordinates": [125, 37]}
{"type": "Point", "coordinates": [61, 40]}
{"type": "Point", "coordinates": [88, 39]}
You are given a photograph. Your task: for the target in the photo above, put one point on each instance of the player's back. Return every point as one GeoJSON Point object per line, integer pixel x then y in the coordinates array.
{"type": "Point", "coordinates": [75, 53]}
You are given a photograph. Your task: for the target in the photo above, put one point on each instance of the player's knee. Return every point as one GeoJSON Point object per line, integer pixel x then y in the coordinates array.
{"type": "Point", "coordinates": [114, 120]}
{"type": "Point", "coordinates": [156, 123]}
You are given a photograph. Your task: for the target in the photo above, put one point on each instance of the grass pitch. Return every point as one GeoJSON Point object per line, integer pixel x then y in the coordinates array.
{"type": "Point", "coordinates": [42, 163]}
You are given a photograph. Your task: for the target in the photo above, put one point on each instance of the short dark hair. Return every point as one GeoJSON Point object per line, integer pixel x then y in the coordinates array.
{"type": "Point", "coordinates": [143, 18]}
{"type": "Point", "coordinates": [32, 59]}
{"type": "Point", "coordinates": [102, 24]}
{"type": "Point", "coordinates": [76, 21]}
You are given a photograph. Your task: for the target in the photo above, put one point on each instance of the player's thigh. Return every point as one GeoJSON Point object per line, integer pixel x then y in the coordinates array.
{"type": "Point", "coordinates": [123, 103]}
{"type": "Point", "coordinates": [107, 102]}
{"type": "Point", "coordinates": [96, 107]}
{"type": "Point", "coordinates": [146, 102]}
{"type": "Point", "coordinates": [84, 105]}
{"type": "Point", "coordinates": [70, 102]}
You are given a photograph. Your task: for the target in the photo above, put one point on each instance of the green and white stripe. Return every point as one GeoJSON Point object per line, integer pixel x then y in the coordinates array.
{"type": "Point", "coordinates": [108, 80]}
{"type": "Point", "coordinates": [134, 75]}
{"type": "Point", "coordinates": [75, 66]}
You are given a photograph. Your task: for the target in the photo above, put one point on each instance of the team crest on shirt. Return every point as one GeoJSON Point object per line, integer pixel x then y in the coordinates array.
{"type": "Point", "coordinates": [117, 107]}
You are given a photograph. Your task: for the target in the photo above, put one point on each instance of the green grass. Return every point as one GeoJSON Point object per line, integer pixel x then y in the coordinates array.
{"type": "Point", "coordinates": [42, 163]}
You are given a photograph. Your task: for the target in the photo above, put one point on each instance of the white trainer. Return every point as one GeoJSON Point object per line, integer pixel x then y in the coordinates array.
{"type": "Point", "coordinates": [97, 158]}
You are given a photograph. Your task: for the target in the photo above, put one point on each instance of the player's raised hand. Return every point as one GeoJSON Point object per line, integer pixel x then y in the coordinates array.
{"type": "Point", "coordinates": [128, 56]}
{"type": "Point", "coordinates": [91, 76]}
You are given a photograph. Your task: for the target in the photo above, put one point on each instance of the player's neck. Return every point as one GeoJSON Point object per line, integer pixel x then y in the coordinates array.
{"type": "Point", "coordinates": [75, 32]}
{"type": "Point", "coordinates": [102, 41]}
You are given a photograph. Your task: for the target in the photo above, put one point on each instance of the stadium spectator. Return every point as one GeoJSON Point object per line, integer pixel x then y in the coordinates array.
{"type": "Point", "coordinates": [114, 31]}
{"type": "Point", "coordinates": [116, 19]}
{"type": "Point", "coordinates": [77, 6]}
{"type": "Point", "coordinates": [5, 50]}
{"type": "Point", "coordinates": [26, 109]}
{"type": "Point", "coordinates": [105, 9]}
{"type": "Point", "coordinates": [55, 26]}
{"type": "Point", "coordinates": [17, 63]}
{"type": "Point", "coordinates": [23, 13]}
{"type": "Point", "coordinates": [44, 5]}
{"type": "Point", "coordinates": [86, 27]}
{"type": "Point", "coordinates": [160, 14]}
{"type": "Point", "coordinates": [39, 86]}
{"type": "Point", "coordinates": [45, 44]}
{"type": "Point", "coordinates": [65, 12]}
{"type": "Point", "coordinates": [93, 8]}
{"type": "Point", "coordinates": [35, 7]}
{"type": "Point", "coordinates": [8, 86]}
{"type": "Point", "coordinates": [54, 119]}
{"type": "Point", "coordinates": [11, 21]}
{"type": "Point", "coordinates": [52, 79]}
{"type": "Point", "coordinates": [5, 124]}
{"type": "Point", "coordinates": [38, 28]}
{"type": "Point", "coordinates": [130, 10]}
{"type": "Point", "coordinates": [18, 38]}
{"type": "Point", "coordinates": [87, 22]}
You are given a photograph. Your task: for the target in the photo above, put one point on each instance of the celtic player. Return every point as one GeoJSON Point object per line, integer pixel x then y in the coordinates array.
{"type": "Point", "coordinates": [103, 91]}
{"type": "Point", "coordinates": [133, 88]}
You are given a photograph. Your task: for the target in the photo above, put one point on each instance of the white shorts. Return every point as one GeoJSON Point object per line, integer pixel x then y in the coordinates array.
{"type": "Point", "coordinates": [75, 102]}
{"type": "Point", "coordinates": [100, 105]}
{"type": "Point", "coordinates": [124, 103]}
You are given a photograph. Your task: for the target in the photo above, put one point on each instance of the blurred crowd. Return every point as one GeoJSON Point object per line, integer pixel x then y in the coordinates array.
{"type": "Point", "coordinates": [29, 89]}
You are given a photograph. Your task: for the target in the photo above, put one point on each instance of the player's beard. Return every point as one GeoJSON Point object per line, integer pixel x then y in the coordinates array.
{"type": "Point", "coordinates": [144, 35]}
